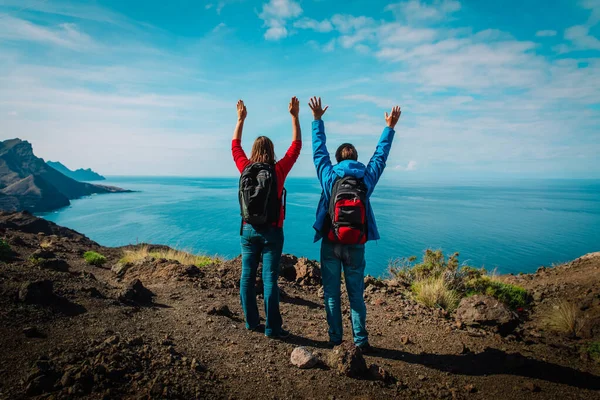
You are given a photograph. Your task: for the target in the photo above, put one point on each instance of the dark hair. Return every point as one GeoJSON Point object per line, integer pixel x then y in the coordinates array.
{"type": "Point", "coordinates": [263, 151]}
{"type": "Point", "coordinates": [346, 151]}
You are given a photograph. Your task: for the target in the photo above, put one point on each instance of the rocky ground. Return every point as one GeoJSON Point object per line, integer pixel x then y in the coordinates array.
{"type": "Point", "coordinates": [159, 329]}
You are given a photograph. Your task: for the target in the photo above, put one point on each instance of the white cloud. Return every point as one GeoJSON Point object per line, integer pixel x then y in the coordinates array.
{"type": "Point", "coordinates": [63, 35]}
{"type": "Point", "coordinates": [308, 23]}
{"type": "Point", "coordinates": [348, 23]}
{"type": "Point", "coordinates": [545, 33]}
{"type": "Point", "coordinates": [579, 36]}
{"type": "Point", "coordinates": [411, 166]}
{"type": "Point", "coordinates": [275, 14]}
{"type": "Point", "coordinates": [415, 10]}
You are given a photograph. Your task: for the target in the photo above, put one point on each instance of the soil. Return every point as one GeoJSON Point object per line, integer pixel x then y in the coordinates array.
{"type": "Point", "coordinates": [78, 330]}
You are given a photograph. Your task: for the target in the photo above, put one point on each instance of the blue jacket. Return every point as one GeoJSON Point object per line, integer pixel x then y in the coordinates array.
{"type": "Point", "coordinates": [328, 174]}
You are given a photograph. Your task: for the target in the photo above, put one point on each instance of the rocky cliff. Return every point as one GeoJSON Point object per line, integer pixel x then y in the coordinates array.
{"type": "Point", "coordinates": [28, 183]}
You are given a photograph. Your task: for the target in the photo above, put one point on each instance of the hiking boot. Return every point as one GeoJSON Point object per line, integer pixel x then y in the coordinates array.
{"type": "Point", "coordinates": [283, 334]}
{"type": "Point", "coordinates": [367, 349]}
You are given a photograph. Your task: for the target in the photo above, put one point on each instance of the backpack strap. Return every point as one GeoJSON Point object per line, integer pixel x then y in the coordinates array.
{"type": "Point", "coordinates": [284, 198]}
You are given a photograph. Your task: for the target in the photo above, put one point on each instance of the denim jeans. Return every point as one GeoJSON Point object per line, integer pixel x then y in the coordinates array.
{"type": "Point", "coordinates": [267, 244]}
{"type": "Point", "coordinates": [351, 258]}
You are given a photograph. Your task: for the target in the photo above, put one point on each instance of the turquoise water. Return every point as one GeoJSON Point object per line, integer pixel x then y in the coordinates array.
{"type": "Point", "coordinates": [511, 226]}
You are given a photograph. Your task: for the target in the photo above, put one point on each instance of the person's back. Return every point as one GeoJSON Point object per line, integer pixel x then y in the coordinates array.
{"type": "Point", "coordinates": [262, 206]}
{"type": "Point", "coordinates": [335, 213]}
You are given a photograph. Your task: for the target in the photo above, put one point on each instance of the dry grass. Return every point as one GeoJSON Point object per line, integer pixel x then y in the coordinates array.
{"type": "Point", "coordinates": [434, 292]}
{"type": "Point", "coordinates": [565, 318]}
{"type": "Point", "coordinates": [183, 257]}
{"type": "Point", "coordinates": [46, 244]}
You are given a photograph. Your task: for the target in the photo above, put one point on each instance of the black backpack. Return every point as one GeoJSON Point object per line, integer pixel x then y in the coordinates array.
{"type": "Point", "coordinates": [259, 203]}
{"type": "Point", "coordinates": [348, 211]}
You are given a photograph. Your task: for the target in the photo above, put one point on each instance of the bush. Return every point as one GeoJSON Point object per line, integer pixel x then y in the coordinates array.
{"type": "Point", "coordinates": [511, 295]}
{"type": "Point", "coordinates": [434, 292]}
{"type": "Point", "coordinates": [441, 281]}
{"type": "Point", "coordinates": [5, 250]}
{"type": "Point", "coordinates": [564, 317]}
{"type": "Point", "coordinates": [93, 258]}
{"type": "Point", "coordinates": [184, 258]}
{"type": "Point", "coordinates": [594, 351]}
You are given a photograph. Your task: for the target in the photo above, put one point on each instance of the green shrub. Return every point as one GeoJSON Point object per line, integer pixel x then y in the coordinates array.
{"type": "Point", "coordinates": [5, 250]}
{"type": "Point", "coordinates": [512, 295]}
{"type": "Point", "coordinates": [439, 280]}
{"type": "Point", "coordinates": [594, 351]}
{"type": "Point", "coordinates": [93, 258]}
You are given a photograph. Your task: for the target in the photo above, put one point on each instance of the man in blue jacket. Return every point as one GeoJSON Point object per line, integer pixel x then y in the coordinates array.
{"type": "Point", "coordinates": [350, 257]}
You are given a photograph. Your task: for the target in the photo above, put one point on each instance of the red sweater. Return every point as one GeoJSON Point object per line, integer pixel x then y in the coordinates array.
{"type": "Point", "coordinates": [282, 167]}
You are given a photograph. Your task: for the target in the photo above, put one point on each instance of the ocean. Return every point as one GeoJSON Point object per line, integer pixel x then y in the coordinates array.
{"type": "Point", "coordinates": [511, 227]}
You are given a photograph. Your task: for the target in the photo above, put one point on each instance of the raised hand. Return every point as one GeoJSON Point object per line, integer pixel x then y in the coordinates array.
{"type": "Point", "coordinates": [393, 117]}
{"type": "Point", "coordinates": [315, 106]}
{"type": "Point", "coordinates": [294, 107]}
{"type": "Point", "coordinates": [241, 110]}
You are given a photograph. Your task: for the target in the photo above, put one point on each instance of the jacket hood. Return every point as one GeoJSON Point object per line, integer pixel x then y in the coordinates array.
{"type": "Point", "coordinates": [350, 168]}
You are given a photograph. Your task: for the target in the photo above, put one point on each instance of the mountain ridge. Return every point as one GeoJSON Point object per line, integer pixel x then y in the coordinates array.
{"type": "Point", "coordinates": [80, 174]}
{"type": "Point", "coordinates": [28, 183]}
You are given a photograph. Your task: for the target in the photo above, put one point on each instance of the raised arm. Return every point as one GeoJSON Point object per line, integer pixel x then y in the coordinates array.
{"type": "Point", "coordinates": [321, 156]}
{"type": "Point", "coordinates": [239, 156]}
{"type": "Point", "coordinates": [241, 113]}
{"type": "Point", "coordinates": [377, 163]}
{"type": "Point", "coordinates": [288, 161]}
{"type": "Point", "coordinates": [294, 108]}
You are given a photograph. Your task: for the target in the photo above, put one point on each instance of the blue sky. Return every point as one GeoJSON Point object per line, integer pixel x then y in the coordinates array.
{"type": "Point", "coordinates": [487, 89]}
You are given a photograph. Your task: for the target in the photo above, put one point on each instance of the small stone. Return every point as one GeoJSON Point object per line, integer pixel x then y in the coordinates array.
{"type": "Point", "coordinates": [404, 339]}
{"type": "Point", "coordinates": [197, 366]}
{"type": "Point", "coordinates": [422, 377]}
{"type": "Point", "coordinates": [221, 309]}
{"type": "Point", "coordinates": [67, 379]}
{"type": "Point", "coordinates": [302, 358]}
{"type": "Point", "coordinates": [112, 340]}
{"type": "Point", "coordinates": [532, 387]}
{"type": "Point", "coordinates": [470, 388]}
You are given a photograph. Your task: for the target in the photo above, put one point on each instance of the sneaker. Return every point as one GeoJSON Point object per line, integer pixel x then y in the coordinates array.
{"type": "Point", "coordinates": [283, 334]}
{"type": "Point", "coordinates": [331, 344]}
{"type": "Point", "coordinates": [367, 349]}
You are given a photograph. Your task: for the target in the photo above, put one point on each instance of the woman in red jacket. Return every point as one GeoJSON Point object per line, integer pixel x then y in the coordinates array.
{"type": "Point", "coordinates": [264, 241]}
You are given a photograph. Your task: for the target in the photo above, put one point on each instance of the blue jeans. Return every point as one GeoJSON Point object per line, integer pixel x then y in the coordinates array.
{"type": "Point", "coordinates": [334, 256]}
{"type": "Point", "coordinates": [266, 244]}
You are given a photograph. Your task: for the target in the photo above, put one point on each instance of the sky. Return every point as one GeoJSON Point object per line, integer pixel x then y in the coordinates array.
{"type": "Point", "coordinates": [487, 89]}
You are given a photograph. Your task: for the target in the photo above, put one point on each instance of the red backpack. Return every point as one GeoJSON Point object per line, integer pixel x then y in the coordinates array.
{"type": "Point", "coordinates": [348, 211]}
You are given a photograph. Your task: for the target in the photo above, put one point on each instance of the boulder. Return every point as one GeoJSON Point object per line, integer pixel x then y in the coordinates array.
{"type": "Point", "coordinates": [43, 254]}
{"type": "Point", "coordinates": [302, 358]}
{"type": "Point", "coordinates": [120, 268]}
{"type": "Point", "coordinates": [486, 312]}
{"type": "Point", "coordinates": [347, 359]}
{"type": "Point", "coordinates": [136, 293]}
{"type": "Point", "coordinates": [308, 272]}
{"type": "Point", "coordinates": [54, 264]}
{"type": "Point", "coordinates": [38, 292]}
